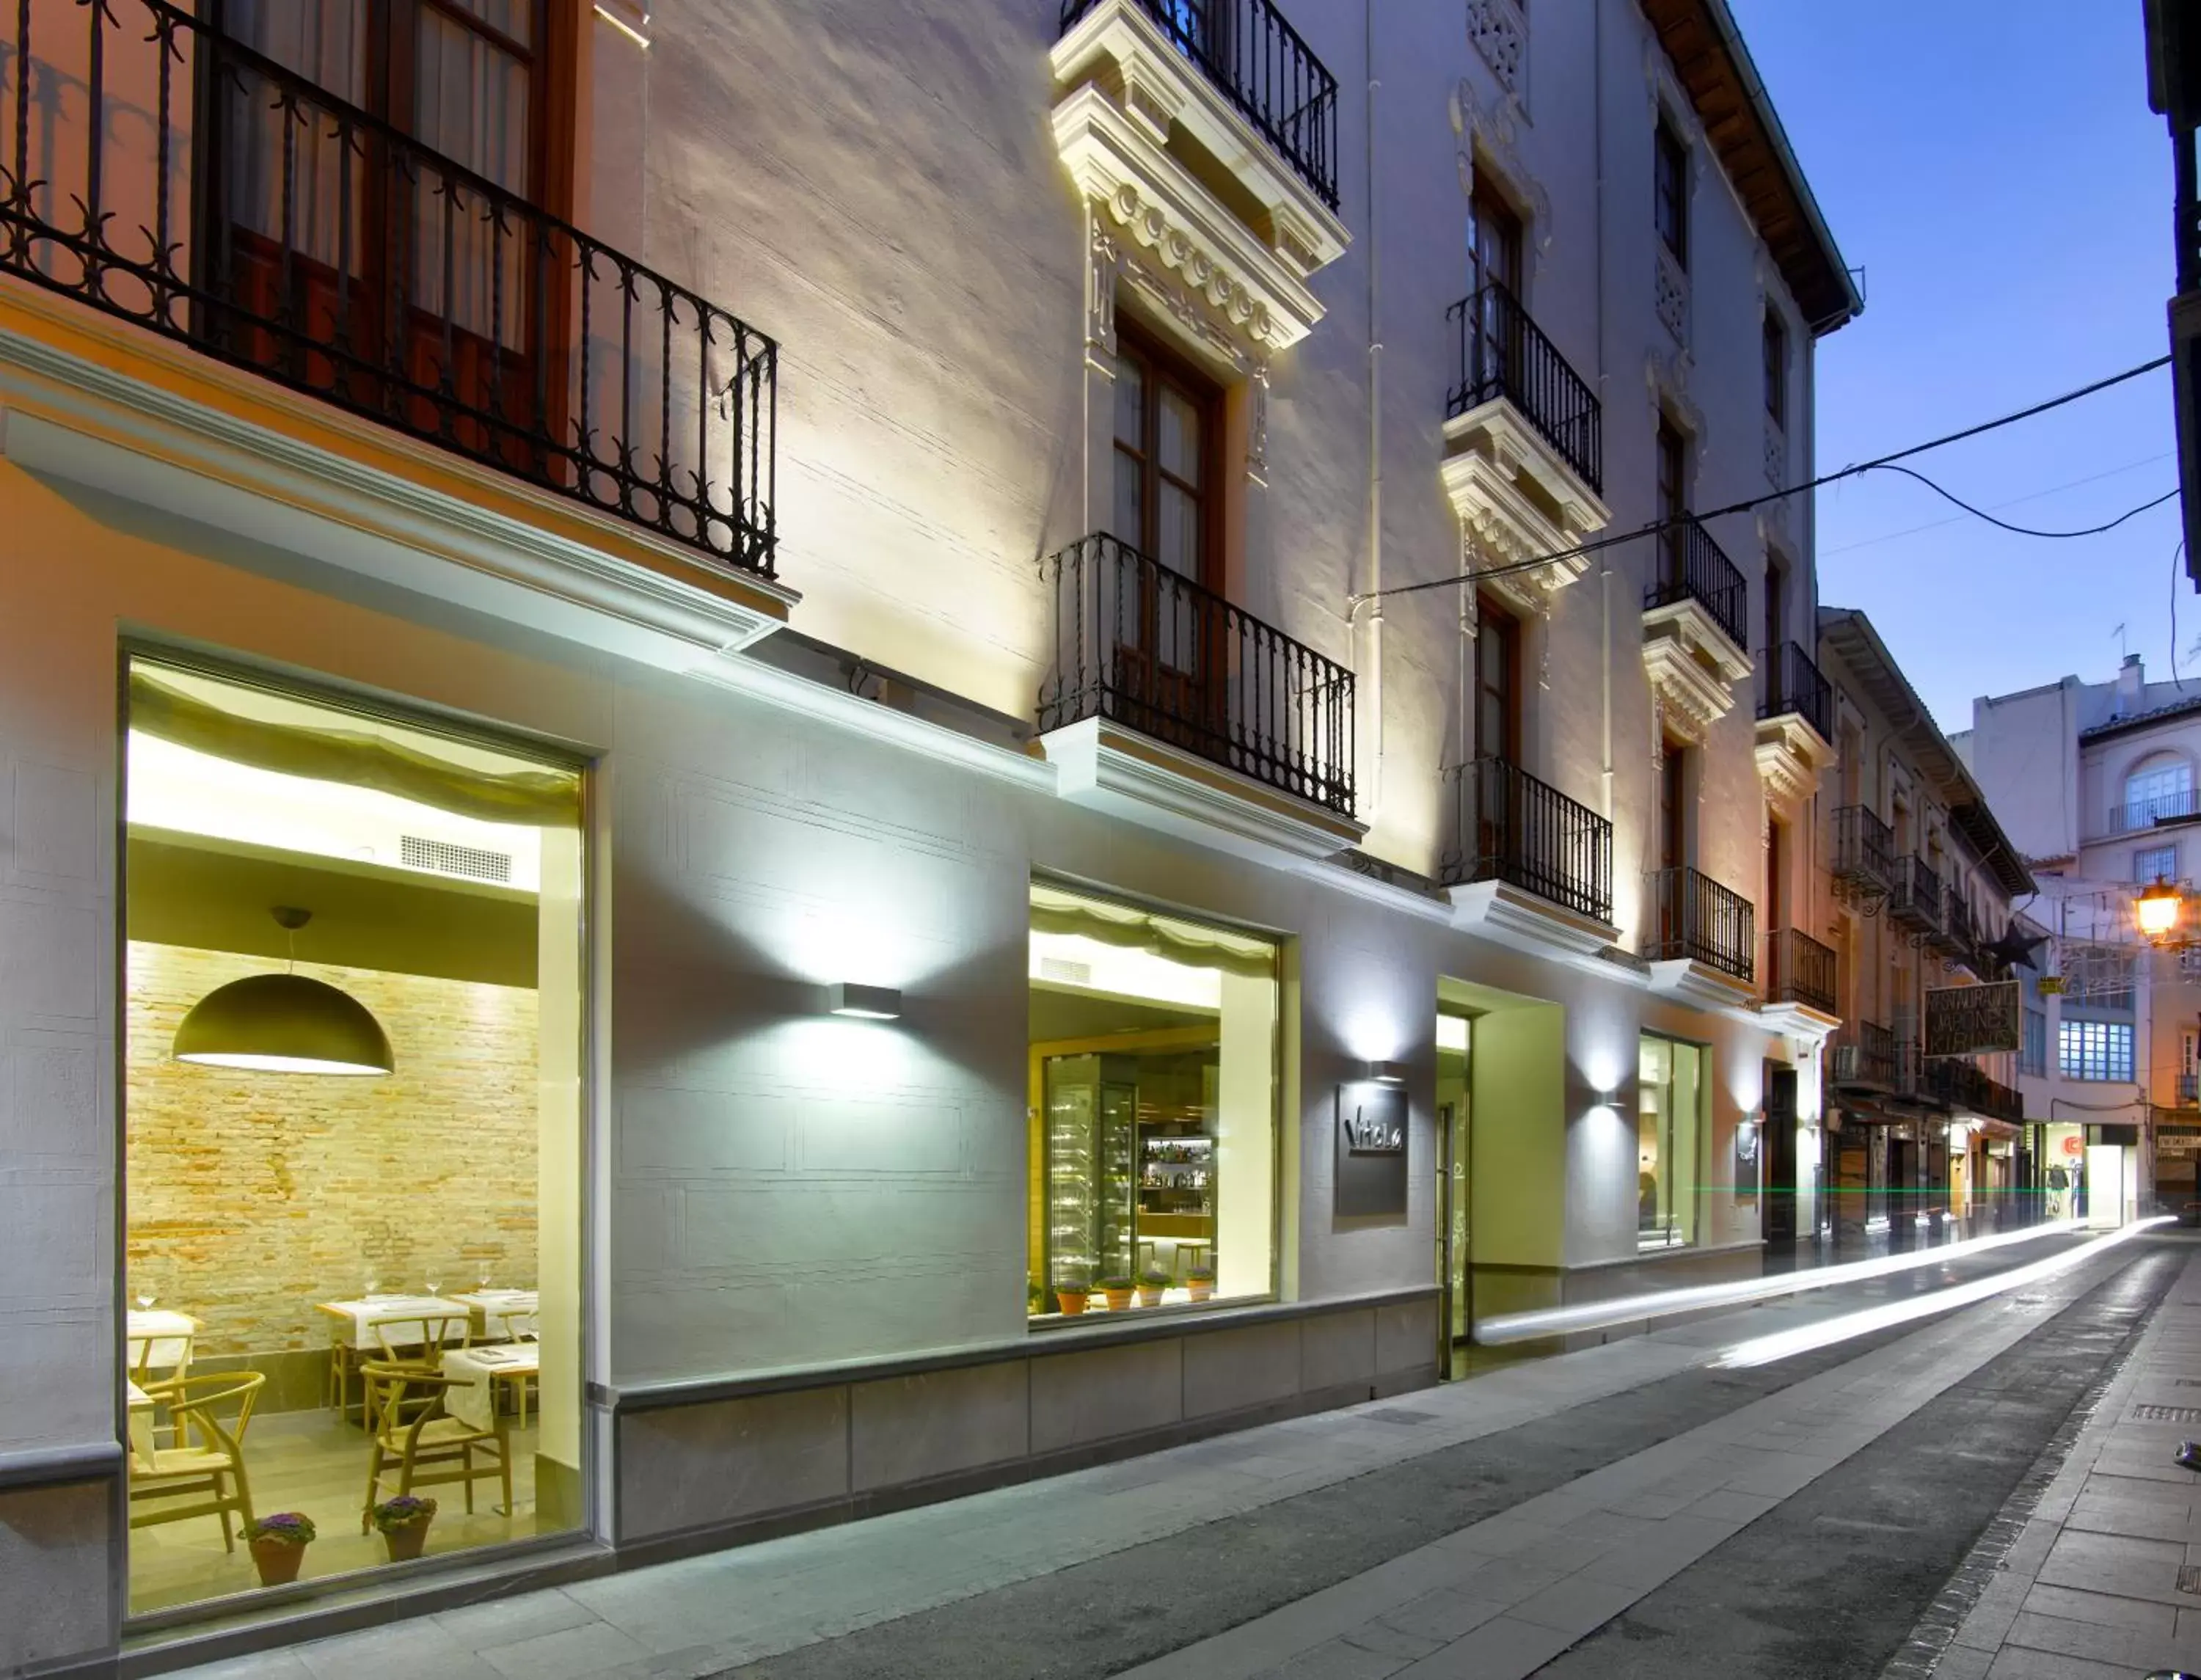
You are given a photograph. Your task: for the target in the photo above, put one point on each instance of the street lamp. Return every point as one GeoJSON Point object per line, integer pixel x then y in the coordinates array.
{"type": "Point", "coordinates": [2156, 911]}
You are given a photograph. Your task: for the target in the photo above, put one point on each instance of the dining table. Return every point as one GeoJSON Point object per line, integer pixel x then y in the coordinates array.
{"type": "Point", "coordinates": [502, 1314]}
{"type": "Point", "coordinates": [140, 1407]}
{"type": "Point", "coordinates": [474, 1373]}
{"type": "Point", "coordinates": [359, 1328]}
{"type": "Point", "coordinates": [159, 1341]}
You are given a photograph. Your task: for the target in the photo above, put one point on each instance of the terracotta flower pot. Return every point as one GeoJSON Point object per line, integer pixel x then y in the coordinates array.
{"type": "Point", "coordinates": [277, 1560]}
{"type": "Point", "coordinates": [1119, 1301]}
{"type": "Point", "coordinates": [1072, 1301]}
{"type": "Point", "coordinates": [1201, 1291]}
{"type": "Point", "coordinates": [406, 1541]}
{"type": "Point", "coordinates": [1149, 1296]}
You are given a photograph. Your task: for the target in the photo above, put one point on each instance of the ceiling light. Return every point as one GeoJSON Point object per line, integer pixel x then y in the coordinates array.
{"type": "Point", "coordinates": [864, 1003]}
{"type": "Point", "coordinates": [284, 1023]}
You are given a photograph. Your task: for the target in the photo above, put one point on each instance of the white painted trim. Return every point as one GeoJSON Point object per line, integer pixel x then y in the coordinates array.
{"type": "Point", "coordinates": [1506, 915]}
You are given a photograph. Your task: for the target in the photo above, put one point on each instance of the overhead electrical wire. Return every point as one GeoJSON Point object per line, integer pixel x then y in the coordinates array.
{"type": "Point", "coordinates": [2014, 501]}
{"type": "Point", "coordinates": [1654, 526]}
{"type": "Point", "coordinates": [2026, 530]}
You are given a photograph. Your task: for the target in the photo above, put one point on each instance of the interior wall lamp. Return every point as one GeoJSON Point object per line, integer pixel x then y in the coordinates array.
{"type": "Point", "coordinates": [1384, 1072]}
{"type": "Point", "coordinates": [864, 1003]}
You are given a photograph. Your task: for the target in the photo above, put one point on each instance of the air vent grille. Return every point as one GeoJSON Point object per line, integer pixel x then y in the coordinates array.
{"type": "Point", "coordinates": [444, 859]}
{"type": "Point", "coordinates": [1064, 972]}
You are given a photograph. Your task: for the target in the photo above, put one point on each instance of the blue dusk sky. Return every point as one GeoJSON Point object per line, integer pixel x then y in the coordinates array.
{"type": "Point", "coordinates": [1995, 170]}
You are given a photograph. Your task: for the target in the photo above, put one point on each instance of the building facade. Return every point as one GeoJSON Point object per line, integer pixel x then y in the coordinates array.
{"type": "Point", "coordinates": [2097, 781]}
{"type": "Point", "coordinates": [1923, 883]}
{"type": "Point", "coordinates": [929, 705]}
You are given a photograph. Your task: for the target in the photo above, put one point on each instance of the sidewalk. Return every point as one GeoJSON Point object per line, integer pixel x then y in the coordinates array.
{"type": "Point", "coordinates": [2092, 1588]}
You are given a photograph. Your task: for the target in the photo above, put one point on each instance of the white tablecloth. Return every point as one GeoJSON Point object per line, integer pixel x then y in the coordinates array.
{"type": "Point", "coordinates": [170, 1334]}
{"type": "Point", "coordinates": [505, 1313]}
{"type": "Point", "coordinates": [405, 1317]}
{"type": "Point", "coordinates": [479, 1369]}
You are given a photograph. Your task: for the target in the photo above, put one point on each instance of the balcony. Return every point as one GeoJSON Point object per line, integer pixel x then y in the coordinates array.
{"type": "Point", "coordinates": [1800, 970]}
{"type": "Point", "coordinates": [1202, 137]}
{"type": "Point", "coordinates": [1864, 851]}
{"type": "Point", "coordinates": [2188, 1095]}
{"type": "Point", "coordinates": [206, 194]}
{"type": "Point", "coordinates": [1523, 450]}
{"type": "Point", "coordinates": [1695, 919]}
{"type": "Point", "coordinates": [1258, 61]}
{"type": "Point", "coordinates": [1962, 1087]}
{"type": "Point", "coordinates": [2181, 805]}
{"type": "Point", "coordinates": [1512, 831]}
{"type": "Point", "coordinates": [1142, 651]}
{"type": "Point", "coordinates": [1914, 898]}
{"type": "Point", "coordinates": [1795, 736]}
{"type": "Point", "coordinates": [1864, 1057]}
{"type": "Point", "coordinates": [1693, 636]}
{"type": "Point", "coordinates": [1957, 938]}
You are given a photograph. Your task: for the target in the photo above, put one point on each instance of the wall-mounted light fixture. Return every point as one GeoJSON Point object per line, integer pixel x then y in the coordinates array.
{"type": "Point", "coordinates": [864, 1003]}
{"type": "Point", "coordinates": [1384, 1072]}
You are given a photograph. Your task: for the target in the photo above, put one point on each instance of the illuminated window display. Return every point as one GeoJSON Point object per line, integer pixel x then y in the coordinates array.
{"type": "Point", "coordinates": [1670, 1100]}
{"type": "Point", "coordinates": [1154, 1109]}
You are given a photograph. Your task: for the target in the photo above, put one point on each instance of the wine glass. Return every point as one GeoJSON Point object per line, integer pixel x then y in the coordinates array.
{"type": "Point", "coordinates": [145, 1299]}
{"type": "Point", "coordinates": [435, 1283]}
{"type": "Point", "coordinates": [481, 1280]}
{"type": "Point", "coordinates": [374, 1283]}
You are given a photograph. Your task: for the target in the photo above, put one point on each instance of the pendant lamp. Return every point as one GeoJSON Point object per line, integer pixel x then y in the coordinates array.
{"type": "Point", "coordinates": [284, 1023]}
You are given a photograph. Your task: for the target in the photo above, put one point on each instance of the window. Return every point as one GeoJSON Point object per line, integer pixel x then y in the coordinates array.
{"type": "Point", "coordinates": [1153, 1047]}
{"type": "Point", "coordinates": [1167, 428]}
{"type": "Point", "coordinates": [1775, 344]}
{"type": "Point", "coordinates": [2033, 1054]}
{"type": "Point", "coordinates": [287, 1229]}
{"type": "Point", "coordinates": [1670, 1100]}
{"type": "Point", "coordinates": [1494, 237]}
{"type": "Point", "coordinates": [2160, 789]}
{"type": "Point", "coordinates": [1777, 614]}
{"type": "Point", "coordinates": [1673, 805]}
{"type": "Point", "coordinates": [1670, 190]}
{"type": "Point", "coordinates": [1672, 466]}
{"type": "Point", "coordinates": [1496, 683]}
{"type": "Point", "coordinates": [2095, 1050]}
{"type": "Point", "coordinates": [2154, 863]}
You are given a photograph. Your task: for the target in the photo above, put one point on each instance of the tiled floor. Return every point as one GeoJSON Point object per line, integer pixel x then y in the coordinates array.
{"type": "Point", "coordinates": [1524, 1584]}
{"type": "Point", "coordinates": [315, 1463]}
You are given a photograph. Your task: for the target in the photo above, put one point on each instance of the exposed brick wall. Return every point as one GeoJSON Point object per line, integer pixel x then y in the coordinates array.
{"type": "Point", "coordinates": [253, 1196]}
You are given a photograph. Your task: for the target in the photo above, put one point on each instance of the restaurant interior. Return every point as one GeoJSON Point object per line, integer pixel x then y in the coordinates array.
{"type": "Point", "coordinates": [352, 1102]}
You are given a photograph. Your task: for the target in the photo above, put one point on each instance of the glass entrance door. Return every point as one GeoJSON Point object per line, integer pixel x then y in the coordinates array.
{"type": "Point", "coordinates": [1457, 1311]}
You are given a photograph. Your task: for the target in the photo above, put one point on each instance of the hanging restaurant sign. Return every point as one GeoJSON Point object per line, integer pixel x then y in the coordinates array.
{"type": "Point", "coordinates": [1973, 1020]}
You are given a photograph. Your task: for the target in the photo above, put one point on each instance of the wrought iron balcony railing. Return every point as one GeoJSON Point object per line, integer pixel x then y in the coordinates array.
{"type": "Point", "coordinates": [158, 169]}
{"type": "Point", "coordinates": [1513, 828]}
{"type": "Point", "coordinates": [1801, 971]}
{"type": "Point", "coordinates": [1144, 647]}
{"type": "Point", "coordinates": [1966, 1087]}
{"type": "Point", "coordinates": [1503, 353]}
{"type": "Point", "coordinates": [1914, 901]}
{"type": "Point", "coordinates": [1957, 934]}
{"type": "Point", "coordinates": [1864, 849]}
{"type": "Point", "coordinates": [1998, 1101]}
{"type": "Point", "coordinates": [1693, 916]}
{"type": "Point", "coordinates": [2151, 810]}
{"type": "Point", "coordinates": [1259, 64]}
{"type": "Point", "coordinates": [1864, 1056]}
{"type": "Point", "coordinates": [1790, 683]}
{"type": "Point", "coordinates": [1694, 568]}
{"type": "Point", "coordinates": [2187, 1085]}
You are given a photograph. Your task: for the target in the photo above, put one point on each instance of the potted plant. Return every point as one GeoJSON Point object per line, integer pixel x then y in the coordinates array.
{"type": "Point", "coordinates": [404, 1524]}
{"type": "Point", "coordinates": [277, 1544]}
{"type": "Point", "coordinates": [1200, 1280]}
{"type": "Point", "coordinates": [1071, 1296]}
{"type": "Point", "coordinates": [1152, 1282]}
{"type": "Point", "coordinates": [1118, 1293]}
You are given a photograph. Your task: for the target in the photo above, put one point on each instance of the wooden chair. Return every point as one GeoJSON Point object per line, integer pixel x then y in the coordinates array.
{"type": "Point", "coordinates": [207, 1463]}
{"type": "Point", "coordinates": [431, 1446]}
{"type": "Point", "coordinates": [396, 1339]}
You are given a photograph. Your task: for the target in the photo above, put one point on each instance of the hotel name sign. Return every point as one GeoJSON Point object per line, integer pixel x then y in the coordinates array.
{"type": "Point", "coordinates": [1371, 1150]}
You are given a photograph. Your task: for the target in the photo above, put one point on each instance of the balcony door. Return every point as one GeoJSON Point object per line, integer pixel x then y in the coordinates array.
{"type": "Point", "coordinates": [402, 277]}
{"type": "Point", "coordinates": [1170, 658]}
{"type": "Point", "coordinates": [1497, 730]}
{"type": "Point", "coordinates": [1673, 490]}
{"type": "Point", "coordinates": [1494, 250]}
{"type": "Point", "coordinates": [1673, 898]}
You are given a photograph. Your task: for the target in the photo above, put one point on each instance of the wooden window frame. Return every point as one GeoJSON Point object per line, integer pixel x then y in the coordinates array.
{"type": "Point", "coordinates": [1488, 203]}
{"type": "Point", "coordinates": [1501, 627]}
{"type": "Point", "coordinates": [1155, 357]}
{"type": "Point", "coordinates": [1773, 346]}
{"type": "Point", "coordinates": [1674, 850]}
{"type": "Point", "coordinates": [1670, 477]}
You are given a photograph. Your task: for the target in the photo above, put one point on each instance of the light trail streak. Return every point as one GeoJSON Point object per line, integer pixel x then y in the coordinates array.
{"type": "Point", "coordinates": [1633, 1309]}
{"type": "Point", "coordinates": [1786, 1344]}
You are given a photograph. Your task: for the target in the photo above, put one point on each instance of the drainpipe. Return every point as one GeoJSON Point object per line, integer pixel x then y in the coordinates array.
{"type": "Point", "coordinates": [1375, 438]}
{"type": "Point", "coordinates": [1605, 556]}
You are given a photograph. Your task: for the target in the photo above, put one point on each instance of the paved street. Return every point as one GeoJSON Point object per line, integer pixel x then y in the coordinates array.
{"type": "Point", "coordinates": [1969, 1496]}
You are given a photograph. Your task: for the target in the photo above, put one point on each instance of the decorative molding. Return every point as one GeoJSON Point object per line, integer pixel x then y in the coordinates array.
{"type": "Point", "coordinates": [1108, 768]}
{"type": "Point", "coordinates": [1497, 30]}
{"type": "Point", "coordinates": [1103, 266]}
{"type": "Point", "coordinates": [1708, 988]}
{"type": "Point", "coordinates": [1235, 278]}
{"type": "Point", "coordinates": [1491, 133]}
{"type": "Point", "coordinates": [1257, 430]}
{"type": "Point", "coordinates": [1800, 1021]}
{"type": "Point", "coordinates": [1666, 379]}
{"type": "Point", "coordinates": [1693, 667]}
{"type": "Point", "coordinates": [1791, 759]}
{"type": "Point", "coordinates": [1777, 456]}
{"type": "Point", "coordinates": [1512, 916]}
{"type": "Point", "coordinates": [1670, 294]}
{"type": "Point", "coordinates": [1516, 499]}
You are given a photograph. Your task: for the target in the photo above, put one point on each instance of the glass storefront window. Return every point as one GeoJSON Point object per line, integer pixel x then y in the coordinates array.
{"type": "Point", "coordinates": [352, 1108]}
{"type": "Point", "coordinates": [1154, 1099]}
{"type": "Point", "coordinates": [1670, 1098]}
